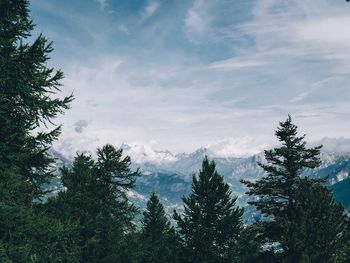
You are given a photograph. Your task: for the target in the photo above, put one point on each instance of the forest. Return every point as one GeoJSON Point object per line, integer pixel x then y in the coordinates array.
{"type": "Point", "coordinates": [92, 219]}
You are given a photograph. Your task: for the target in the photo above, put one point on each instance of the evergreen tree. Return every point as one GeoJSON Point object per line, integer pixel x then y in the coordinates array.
{"type": "Point", "coordinates": [211, 223]}
{"type": "Point", "coordinates": [317, 225]}
{"type": "Point", "coordinates": [95, 199]}
{"type": "Point", "coordinates": [286, 199]}
{"type": "Point", "coordinates": [27, 89]}
{"type": "Point", "coordinates": [27, 105]}
{"type": "Point", "coordinates": [249, 246]}
{"type": "Point", "coordinates": [157, 235]}
{"type": "Point", "coordinates": [346, 251]}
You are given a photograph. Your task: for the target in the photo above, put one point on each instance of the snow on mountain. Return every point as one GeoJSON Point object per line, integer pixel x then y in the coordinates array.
{"type": "Point", "coordinates": [170, 174]}
{"type": "Point", "coordinates": [145, 153]}
{"type": "Point", "coordinates": [232, 147]}
{"type": "Point", "coordinates": [167, 178]}
{"type": "Point", "coordinates": [236, 147]}
{"type": "Point", "coordinates": [335, 166]}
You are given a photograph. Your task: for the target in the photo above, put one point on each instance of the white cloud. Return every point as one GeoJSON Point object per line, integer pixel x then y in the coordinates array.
{"type": "Point", "coordinates": [197, 21]}
{"type": "Point", "coordinates": [183, 109]}
{"type": "Point", "coordinates": [103, 3]}
{"type": "Point", "coordinates": [145, 152]}
{"type": "Point", "coordinates": [150, 9]}
{"type": "Point", "coordinates": [299, 97]}
{"type": "Point", "coordinates": [231, 64]}
{"type": "Point", "coordinates": [302, 29]}
{"type": "Point", "coordinates": [282, 57]}
{"type": "Point", "coordinates": [123, 29]}
{"type": "Point", "coordinates": [237, 147]}
{"type": "Point", "coordinates": [70, 143]}
{"type": "Point", "coordinates": [337, 145]}
{"type": "Point", "coordinates": [328, 31]}
{"type": "Point", "coordinates": [129, 102]}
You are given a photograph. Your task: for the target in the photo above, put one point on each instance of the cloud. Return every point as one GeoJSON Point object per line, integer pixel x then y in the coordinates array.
{"type": "Point", "coordinates": [80, 125]}
{"type": "Point", "coordinates": [145, 152]}
{"type": "Point", "coordinates": [128, 101]}
{"type": "Point", "coordinates": [103, 3]}
{"type": "Point", "coordinates": [326, 31]}
{"type": "Point", "coordinates": [337, 145]}
{"type": "Point", "coordinates": [71, 143]}
{"type": "Point", "coordinates": [299, 97]}
{"type": "Point", "coordinates": [202, 71]}
{"type": "Point", "coordinates": [300, 28]}
{"type": "Point", "coordinates": [197, 21]}
{"type": "Point", "coordinates": [232, 64]}
{"type": "Point", "coordinates": [186, 107]}
{"type": "Point", "coordinates": [237, 147]}
{"type": "Point", "coordinates": [150, 9]}
{"type": "Point", "coordinates": [123, 29]}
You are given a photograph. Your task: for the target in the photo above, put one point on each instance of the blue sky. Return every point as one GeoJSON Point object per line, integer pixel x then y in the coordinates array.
{"type": "Point", "coordinates": [179, 75]}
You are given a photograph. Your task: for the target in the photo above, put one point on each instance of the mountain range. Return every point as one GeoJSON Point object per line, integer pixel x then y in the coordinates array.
{"type": "Point", "coordinates": [169, 175]}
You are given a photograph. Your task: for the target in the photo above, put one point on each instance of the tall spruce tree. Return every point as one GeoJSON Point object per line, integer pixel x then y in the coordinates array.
{"type": "Point", "coordinates": [27, 104]}
{"type": "Point", "coordinates": [287, 200]}
{"type": "Point", "coordinates": [317, 226]}
{"type": "Point", "coordinates": [157, 235]}
{"type": "Point", "coordinates": [95, 200]}
{"type": "Point", "coordinates": [211, 222]}
{"type": "Point", "coordinates": [27, 89]}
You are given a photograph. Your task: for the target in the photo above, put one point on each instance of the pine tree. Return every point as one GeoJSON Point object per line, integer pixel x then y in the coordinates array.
{"type": "Point", "coordinates": [211, 222]}
{"type": "Point", "coordinates": [27, 102]}
{"type": "Point", "coordinates": [287, 200]}
{"type": "Point", "coordinates": [249, 246]}
{"type": "Point", "coordinates": [345, 257]}
{"type": "Point", "coordinates": [95, 199]}
{"type": "Point", "coordinates": [317, 225]}
{"type": "Point", "coordinates": [157, 235]}
{"type": "Point", "coordinates": [27, 105]}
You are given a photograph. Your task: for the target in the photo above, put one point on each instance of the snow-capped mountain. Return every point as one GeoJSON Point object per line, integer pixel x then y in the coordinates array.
{"type": "Point", "coordinates": [143, 154]}
{"type": "Point", "coordinates": [171, 180]}
{"type": "Point", "coordinates": [169, 175]}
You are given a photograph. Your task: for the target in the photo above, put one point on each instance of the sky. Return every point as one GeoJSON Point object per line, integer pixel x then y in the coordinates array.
{"type": "Point", "coordinates": [184, 74]}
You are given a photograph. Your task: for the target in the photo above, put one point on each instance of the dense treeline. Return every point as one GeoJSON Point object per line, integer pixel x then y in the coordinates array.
{"type": "Point", "coordinates": [92, 220]}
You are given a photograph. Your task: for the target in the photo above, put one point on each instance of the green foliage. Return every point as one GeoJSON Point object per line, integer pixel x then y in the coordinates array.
{"type": "Point", "coordinates": [95, 200]}
{"type": "Point", "coordinates": [345, 257]}
{"type": "Point", "coordinates": [283, 168]}
{"type": "Point", "coordinates": [248, 246]}
{"type": "Point", "coordinates": [28, 104]}
{"type": "Point", "coordinates": [158, 237]}
{"type": "Point", "coordinates": [92, 219]}
{"type": "Point", "coordinates": [27, 101]}
{"type": "Point", "coordinates": [297, 210]}
{"type": "Point", "coordinates": [211, 222]}
{"type": "Point", "coordinates": [317, 225]}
